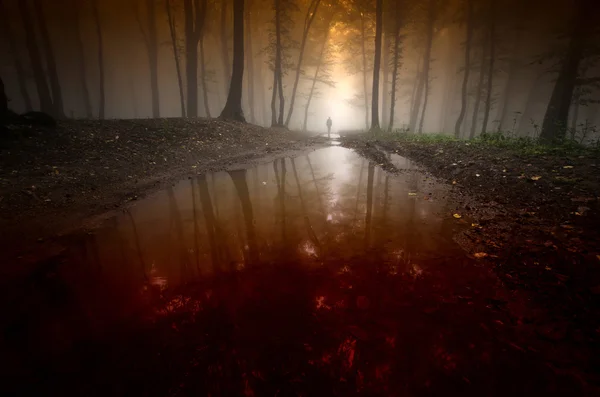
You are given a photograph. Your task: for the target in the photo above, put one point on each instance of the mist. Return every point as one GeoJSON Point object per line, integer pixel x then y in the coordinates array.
{"type": "Point", "coordinates": [515, 55]}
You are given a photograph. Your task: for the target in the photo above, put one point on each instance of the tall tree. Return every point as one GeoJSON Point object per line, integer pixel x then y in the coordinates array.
{"type": "Point", "coordinates": [465, 82]}
{"type": "Point", "coordinates": [57, 99]}
{"type": "Point", "coordinates": [3, 100]}
{"type": "Point", "coordinates": [195, 13]}
{"type": "Point", "coordinates": [491, 63]}
{"type": "Point", "coordinates": [277, 68]}
{"type": "Point", "coordinates": [174, 45]}
{"type": "Point", "coordinates": [149, 33]}
{"type": "Point", "coordinates": [82, 68]}
{"type": "Point", "coordinates": [376, 66]}
{"type": "Point", "coordinates": [308, 20]}
{"type": "Point", "coordinates": [14, 51]}
{"type": "Point", "coordinates": [431, 19]}
{"type": "Point", "coordinates": [250, 63]}
{"type": "Point", "coordinates": [35, 59]}
{"type": "Point", "coordinates": [102, 101]}
{"type": "Point", "coordinates": [479, 89]}
{"type": "Point", "coordinates": [225, 44]}
{"type": "Point", "coordinates": [233, 106]}
{"type": "Point", "coordinates": [557, 114]}
{"type": "Point", "coordinates": [396, 63]}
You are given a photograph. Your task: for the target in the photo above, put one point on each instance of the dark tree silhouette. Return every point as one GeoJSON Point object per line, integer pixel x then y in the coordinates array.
{"type": "Point", "coordinates": [465, 82]}
{"type": "Point", "coordinates": [557, 114]}
{"type": "Point", "coordinates": [173, 33]}
{"type": "Point", "coordinates": [102, 101]}
{"type": "Point", "coordinates": [491, 63]}
{"type": "Point", "coordinates": [14, 51]}
{"type": "Point", "coordinates": [195, 13]}
{"type": "Point", "coordinates": [233, 106]}
{"type": "Point", "coordinates": [3, 101]}
{"type": "Point", "coordinates": [376, 67]}
{"type": "Point", "coordinates": [57, 99]}
{"type": "Point", "coordinates": [80, 48]}
{"type": "Point", "coordinates": [36, 60]}
{"type": "Point", "coordinates": [149, 33]}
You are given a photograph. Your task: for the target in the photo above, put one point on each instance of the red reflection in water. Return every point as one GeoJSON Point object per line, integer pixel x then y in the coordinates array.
{"type": "Point", "coordinates": [314, 278]}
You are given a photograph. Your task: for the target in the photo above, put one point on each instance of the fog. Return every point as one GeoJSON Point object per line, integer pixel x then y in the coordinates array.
{"type": "Point", "coordinates": [134, 51]}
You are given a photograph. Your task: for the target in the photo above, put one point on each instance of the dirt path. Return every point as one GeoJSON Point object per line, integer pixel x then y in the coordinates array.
{"type": "Point", "coordinates": [53, 180]}
{"type": "Point", "coordinates": [534, 219]}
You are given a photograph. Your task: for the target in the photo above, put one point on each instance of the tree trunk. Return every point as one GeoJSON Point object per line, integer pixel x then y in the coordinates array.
{"type": "Point", "coordinates": [195, 13]}
{"type": "Point", "coordinates": [395, 70]}
{"type": "Point", "coordinates": [102, 99]}
{"type": "Point", "coordinates": [385, 95]}
{"type": "Point", "coordinates": [465, 83]}
{"type": "Point", "coordinates": [225, 46]}
{"type": "Point", "coordinates": [492, 60]}
{"type": "Point", "coordinates": [87, 103]}
{"type": "Point", "coordinates": [153, 58]}
{"type": "Point", "coordinates": [557, 113]}
{"type": "Point", "coordinates": [281, 97]}
{"type": "Point", "coordinates": [233, 106]}
{"type": "Point", "coordinates": [315, 77]}
{"type": "Point", "coordinates": [364, 69]}
{"type": "Point", "coordinates": [427, 60]}
{"type": "Point", "coordinates": [250, 66]}
{"type": "Point", "coordinates": [274, 98]}
{"type": "Point", "coordinates": [36, 60]}
{"type": "Point", "coordinates": [277, 66]}
{"type": "Point", "coordinates": [510, 81]}
{"type": "Point", "coordinates": [14, 51]}
{"type": "Point", "coordinates": [3, 101]}
{"type": "Point", "coordinates": [479, 91]}
{"type": "Point", "coordinates": [203, 78]}
{"type": "Point", "coordinates": [376, 67]}
{"type": "Point", "coordinates": [57, 99]}
{"type": "Point", "coordinates": [173, 32]}
{"type": "Point", "coordinates": [308, 20]}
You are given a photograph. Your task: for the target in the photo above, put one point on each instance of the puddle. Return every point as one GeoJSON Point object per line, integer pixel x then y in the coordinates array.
{"type": "Point", "coordinates": [318, 275]}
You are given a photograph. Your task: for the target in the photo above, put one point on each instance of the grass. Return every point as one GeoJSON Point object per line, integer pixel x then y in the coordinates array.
{"type": "Point", "coordinates": [520, 145]}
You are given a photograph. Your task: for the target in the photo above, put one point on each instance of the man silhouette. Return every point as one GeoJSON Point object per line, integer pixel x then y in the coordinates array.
{"type": "Point", "coordinates": [329, 122]}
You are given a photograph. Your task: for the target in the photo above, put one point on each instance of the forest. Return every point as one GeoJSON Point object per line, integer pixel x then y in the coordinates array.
{"type": "Point", "coordinates": [460, 67]}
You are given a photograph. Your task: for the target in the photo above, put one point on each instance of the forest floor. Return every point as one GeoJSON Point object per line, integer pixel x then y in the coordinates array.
{"type": "Point", "coordinates": [52, 179]}
{"type": "Point", "coordinates": [534, 216]}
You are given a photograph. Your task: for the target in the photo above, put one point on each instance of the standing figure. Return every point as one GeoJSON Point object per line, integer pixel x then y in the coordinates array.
{"type": "Point", "coordinates": [329, 122]}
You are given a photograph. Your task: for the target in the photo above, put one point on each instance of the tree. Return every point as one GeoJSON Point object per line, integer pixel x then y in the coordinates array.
{"type": "Point", "coordinates": [150, 36]}
{"type": "Point", "coordinates": [195, 13]}
{"type": "Point", "coordinates": [233, 106]}
{"type": "Point", "coordinates": [555, 120]}
{"type": "Point", "coordinates": [396, 63]}
{"type": "Point", "coordinates": [174, 45]}
{"type": "Point", "coordinates": [491, 63]}
{"type": "Point", "coordinates": [57, 99]}
{"type": "Point", "coordinates": [3, 101]}
{"type": "Point", "coordinates": [376, 66]}
{"type": "Point", "coordinates": [431, 20]}
{"type": "Point", "coordinates": [225, 45]}
{"type": "Point", "coordinates": [102, 101]}
{"type": "Point", "coordinates": [80, 48]}
{"type": "Point", "coordinates": [14, 51]}
{"type": "Point", "coordinates": [308, 20]}
{"type": "Point", "coordinates": [465, 82]}
{"type": "Point", "coordinates": [35, 59]}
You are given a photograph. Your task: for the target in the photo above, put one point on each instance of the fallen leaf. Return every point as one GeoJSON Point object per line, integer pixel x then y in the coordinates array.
{"type": "Point", "coordinates": [477, 175]}
{"type": "Point", "coordinates": [568, 166]}
{"type": "Point", "coordinates": [457, 216]}
{"type": "Point", "coordinates": [536, 178]}
{"type": "Point", "coordinates": [480, 255]}
{"type": "Point", "coordinates": [454, 182]}
{"type": "Point", "coordinates": [412, 194]}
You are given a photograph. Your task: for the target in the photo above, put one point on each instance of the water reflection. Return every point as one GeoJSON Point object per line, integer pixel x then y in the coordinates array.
{"type": "Point", "coordinates": [317, 275]}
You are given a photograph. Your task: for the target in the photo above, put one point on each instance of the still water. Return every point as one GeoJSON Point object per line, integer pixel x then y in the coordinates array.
{"type": "Point", "coordinates": [315, 276]}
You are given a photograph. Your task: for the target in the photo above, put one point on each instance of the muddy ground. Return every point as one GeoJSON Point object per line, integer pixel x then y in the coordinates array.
{"type": "Point", "coordinates": [535, 219]}
{"type": "Point", "coordinates": [52, 179]}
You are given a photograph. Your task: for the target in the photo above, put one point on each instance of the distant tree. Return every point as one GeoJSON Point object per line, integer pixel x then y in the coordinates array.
{"type": "Point", "coordinates": [556, 118]}
{"type": "Point", "coordinates": [225, 43]}
{"type": "Point", "coordinates": [491, 64]}
{"type": "Point", "coordinates": [3, 100]}
{"type": "Point", "coordinates": [465, 82]}
{"type": "Point", "coordinates": [150, 36]}
{"type": "Point", "coordinates": [396, 61]}
{"type": "Point", "coordinates": [250, 77]}
{"type": "Point", "coordinates": [57, 99]}
{"type": "Point", "coordinates": [82, 66]}
{"type": "Point", "coordinates": [102, 100]}
{"type": "Point", "coordinates": [311, 13]}
{"type": "Point", "coordinates": [233, 106]}
{"type": "Point", "coordinates": [376, 66]}
{"type": "Point", "coordinates": [14, 51]}
{"type": "Point", "coordinates": [175, 46]}
{"type": "Point", "coordinates": [35, 59]}
{"type": "Point", "coordinates": [195, 13]}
